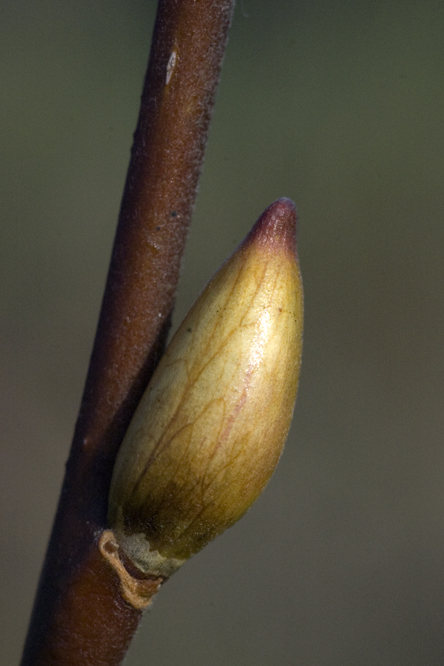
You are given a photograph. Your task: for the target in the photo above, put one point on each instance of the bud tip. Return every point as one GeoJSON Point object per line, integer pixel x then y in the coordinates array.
{"type": "Point", "coordinates": [276, 227]}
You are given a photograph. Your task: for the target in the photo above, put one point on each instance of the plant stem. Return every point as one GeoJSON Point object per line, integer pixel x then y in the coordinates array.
{"type": "Point", "coordinates": [79, 615]}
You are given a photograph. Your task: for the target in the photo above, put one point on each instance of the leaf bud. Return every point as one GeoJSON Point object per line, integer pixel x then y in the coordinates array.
{"type": "Point", "coordinates": [211, 426]}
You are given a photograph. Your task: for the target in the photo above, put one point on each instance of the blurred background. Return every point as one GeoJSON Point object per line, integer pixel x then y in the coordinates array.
{"type": "Point", "coordinates": [340, 106]}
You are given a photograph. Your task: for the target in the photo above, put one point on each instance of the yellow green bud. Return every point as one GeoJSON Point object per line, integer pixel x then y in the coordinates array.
{"type": "Point", "coordinates": [212, 423]}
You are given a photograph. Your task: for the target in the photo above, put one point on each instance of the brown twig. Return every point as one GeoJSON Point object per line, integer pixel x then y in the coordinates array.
{"type": "Point", "coordinates": [80, 616]}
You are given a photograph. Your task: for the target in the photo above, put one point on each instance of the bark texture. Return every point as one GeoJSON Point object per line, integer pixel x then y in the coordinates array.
{"type": "Point", "coordinates": [79, 616]}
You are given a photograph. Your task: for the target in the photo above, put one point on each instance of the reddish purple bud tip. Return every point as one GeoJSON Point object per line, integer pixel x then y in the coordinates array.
{"type": "Point", "coordinates": [276, 227]}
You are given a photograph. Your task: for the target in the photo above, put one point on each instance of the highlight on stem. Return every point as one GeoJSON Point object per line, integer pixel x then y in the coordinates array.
{"type": "Point", "coordinates": [211, 425]}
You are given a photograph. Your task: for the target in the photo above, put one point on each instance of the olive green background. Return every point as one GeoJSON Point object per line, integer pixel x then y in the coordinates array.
{"type": "Point", "coordinates": [340, 106]}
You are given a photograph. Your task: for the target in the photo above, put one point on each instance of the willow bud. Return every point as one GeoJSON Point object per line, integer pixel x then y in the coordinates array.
{"type": "Point", "coordinates": [212, 423]}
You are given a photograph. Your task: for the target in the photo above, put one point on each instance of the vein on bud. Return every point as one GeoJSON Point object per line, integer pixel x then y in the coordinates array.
{"type": "Point", "coordinates": [212, 423]}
